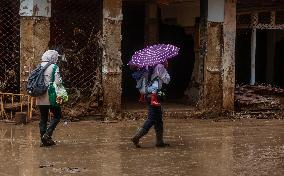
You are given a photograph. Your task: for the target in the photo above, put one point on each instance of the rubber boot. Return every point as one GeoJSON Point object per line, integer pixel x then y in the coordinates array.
{"type": "Point", "coordinates": [142, 98]}
{"type": "Point", "coordinates": [48, 140]}
{"type": "Point", "coordinates": [160, 140]}
{"type": "Point", "coordinates": [42, 141]}
{"type": "Point", "coordinates": [154, 100]}
{"type": "Point", "coordinates": [140, 133]}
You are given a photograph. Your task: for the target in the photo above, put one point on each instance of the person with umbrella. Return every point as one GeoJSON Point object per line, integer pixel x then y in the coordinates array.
{"type": "Point", "coordinates": [155, 58]}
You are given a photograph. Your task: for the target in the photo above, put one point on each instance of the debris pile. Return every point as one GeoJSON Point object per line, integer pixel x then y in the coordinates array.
{"type": "Point", "coordinates": [258, 99]}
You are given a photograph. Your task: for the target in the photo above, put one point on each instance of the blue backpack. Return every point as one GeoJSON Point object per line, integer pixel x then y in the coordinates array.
{"type": "Point", "coordinates": [36, 85]}
{"type": "Point", "coordinates": [143, 79]}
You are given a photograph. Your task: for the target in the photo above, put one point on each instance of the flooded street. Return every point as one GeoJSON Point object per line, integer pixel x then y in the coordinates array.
{"type": "Point", "coordinates": [198, 147]}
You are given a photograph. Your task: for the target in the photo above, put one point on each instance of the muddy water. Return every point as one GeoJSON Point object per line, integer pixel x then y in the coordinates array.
{"type": "Point", "coordinates": [198, 147]}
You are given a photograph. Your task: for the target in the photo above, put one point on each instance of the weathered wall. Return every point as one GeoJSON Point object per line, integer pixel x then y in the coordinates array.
{"type": "Point", "coordinates": [34, 32]}
{"type": "Point", "coordinates": [229, 55]}
{"type": "Point", "coordinates": [111, 62]}
{"type": "Point", "coordinates": [213, 94]}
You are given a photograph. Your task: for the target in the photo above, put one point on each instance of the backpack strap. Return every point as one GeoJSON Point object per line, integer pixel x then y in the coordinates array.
{"type": "Point", "coordinates": [149, 83]}
{"type": "Point", "coordinates": [46, 65]}
{"type": "Point", "coordinates": [153, 80]}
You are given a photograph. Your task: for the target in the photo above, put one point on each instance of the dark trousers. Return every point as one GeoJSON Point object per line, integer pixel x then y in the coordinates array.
{"type": "Point", "coordinates": [44, 110]}
{"type": "Point", "coordinates": [155, 117]}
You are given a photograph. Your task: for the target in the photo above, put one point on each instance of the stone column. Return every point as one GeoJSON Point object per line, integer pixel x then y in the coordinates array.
{"type": "Point", "coordinates": [34, 34]}
{"type": "Point", "coordinates": [111, 62]}
{"type": "Point", "coordinates": [212, 93]}
{"type": "Point", "coordinates": [229, 55]}
{"type": "Point", "coordinates": [151, 22]}
{"type": "Point", "coordinates": [219, 69]}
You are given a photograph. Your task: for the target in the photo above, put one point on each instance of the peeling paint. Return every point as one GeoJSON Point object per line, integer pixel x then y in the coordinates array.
{"type": "Point", "coordinates": [35, 8]}
{"type": "Point", "coordinates": [47, 8]}
{"type": "Point", "coordinates": [117, 18]}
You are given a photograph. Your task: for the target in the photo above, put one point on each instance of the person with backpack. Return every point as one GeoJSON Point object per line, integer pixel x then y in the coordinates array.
{"type": "Point", "coordinates": [45, 101]}
{"type": "Point", "coordinates": [156, 78]}
{"type": "Point", "coordinates": [141, 77]}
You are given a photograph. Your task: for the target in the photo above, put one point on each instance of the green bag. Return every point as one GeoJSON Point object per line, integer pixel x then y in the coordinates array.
{"type": "Point", "coordinates": [51, 89]}
{"type": "Point", "coordinates": [55, 91]}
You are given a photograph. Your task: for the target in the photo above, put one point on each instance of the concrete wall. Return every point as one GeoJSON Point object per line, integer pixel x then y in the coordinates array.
{"type": "Point", "coordinates": [35, 35]}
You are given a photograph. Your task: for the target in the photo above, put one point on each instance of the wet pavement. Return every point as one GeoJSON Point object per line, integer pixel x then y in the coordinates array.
{"type": "Point", "coordinates": [198, 147]}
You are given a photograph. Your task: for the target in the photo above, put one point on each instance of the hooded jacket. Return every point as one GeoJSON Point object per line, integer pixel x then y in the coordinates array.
{"type": "Point", "coordinates": [49, 56]}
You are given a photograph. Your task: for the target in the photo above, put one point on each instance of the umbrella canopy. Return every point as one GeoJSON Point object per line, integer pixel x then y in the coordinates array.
{"type": "Point", "coordinates": [153, 55]}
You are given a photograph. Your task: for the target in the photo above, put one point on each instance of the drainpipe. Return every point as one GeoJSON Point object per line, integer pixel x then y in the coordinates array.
{"type": "Point", "coordinates": [253, 49]}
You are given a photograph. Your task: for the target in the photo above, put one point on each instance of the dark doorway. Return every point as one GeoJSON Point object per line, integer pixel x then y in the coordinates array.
{"type": "Point", "coordinates": [279, 62]}
{"type": "Point", "coordinates": [261, 56]}
{"type": "Point", "coordinates": [269, 61]}
{"type": "Point", "coordinates": [132, 40]}
{"type": "Point", "coordinates": [180, 67]}
{"type": "Point", "coordinates": [243, 56]}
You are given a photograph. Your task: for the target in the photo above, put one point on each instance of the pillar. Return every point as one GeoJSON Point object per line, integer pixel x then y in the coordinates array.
{"type": "Point", "coordinates": [254, 22]}
{"type": "Point", "coordinates": [213, 94]}
{"type": "Point", "coordinates": [252, 61]}
{"type": "Point", "coordinates": [111, 62]}
{"type": "Point", "coordinates": [34, 35]}
{"type": "Point", "coordinates": [229, 55]}
{"type": "Point", "coordinates": [219, 54]}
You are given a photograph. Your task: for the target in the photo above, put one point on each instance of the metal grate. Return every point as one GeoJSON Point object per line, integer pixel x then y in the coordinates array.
{"type": "Point", "coordinates": [76, 29]}
{"type": "Point", "coordinates": [9, 46]}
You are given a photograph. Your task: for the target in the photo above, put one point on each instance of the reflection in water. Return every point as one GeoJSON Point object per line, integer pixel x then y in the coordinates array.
{"type": "Point", "coordinates": [198, 147]}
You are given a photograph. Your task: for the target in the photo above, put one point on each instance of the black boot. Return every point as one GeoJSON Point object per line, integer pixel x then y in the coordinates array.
{"type": "Point", "coordinates": [47, 140]}
{"type": "Point", "coordinates": [141, 132]}
{"type": "Point", "coordinates": [42, 141]}
{"type": "Point", "coordinates": [160, 140]}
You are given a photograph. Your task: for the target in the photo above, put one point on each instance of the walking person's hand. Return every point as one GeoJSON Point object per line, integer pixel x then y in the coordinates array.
{"type": "Point", "coordinates": [59, 100]}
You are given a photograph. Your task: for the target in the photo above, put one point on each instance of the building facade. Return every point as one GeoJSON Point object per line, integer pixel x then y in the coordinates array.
{"type": "Point", "coordinates": [220, 43]}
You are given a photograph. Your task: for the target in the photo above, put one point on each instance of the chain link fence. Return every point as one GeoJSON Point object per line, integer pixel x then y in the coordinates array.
{"type": "Point", "coordinates": [9, 46]}
{"type": "Point", "coordinates": [76, 30]}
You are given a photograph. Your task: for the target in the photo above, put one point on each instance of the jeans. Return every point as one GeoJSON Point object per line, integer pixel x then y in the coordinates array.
{"type": "Point", "coordinates": [155, 117]}
{"type": "Point", "coordinates": [44, 110]}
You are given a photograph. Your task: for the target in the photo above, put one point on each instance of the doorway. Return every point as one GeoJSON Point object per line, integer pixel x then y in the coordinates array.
{"type": "Point", "coordinates": [180, 67]}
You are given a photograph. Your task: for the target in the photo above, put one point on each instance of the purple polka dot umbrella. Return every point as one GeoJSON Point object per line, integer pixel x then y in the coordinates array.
{"type": "Point", "coordinates": [153, 55]}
